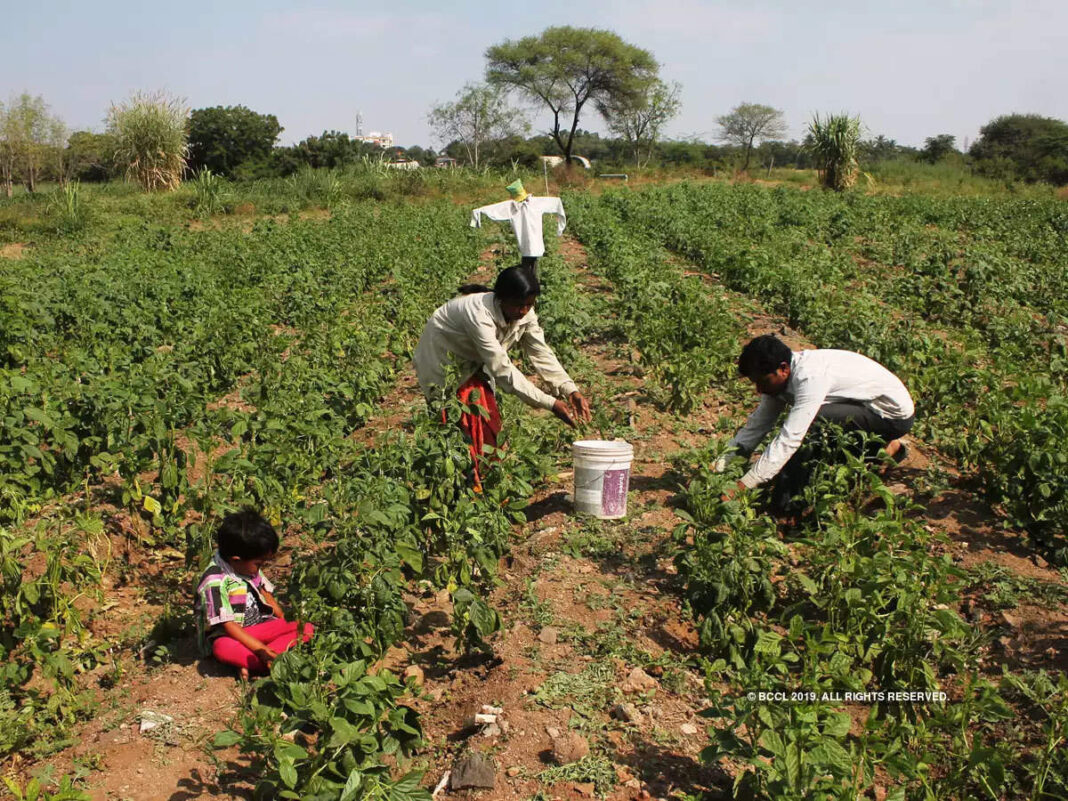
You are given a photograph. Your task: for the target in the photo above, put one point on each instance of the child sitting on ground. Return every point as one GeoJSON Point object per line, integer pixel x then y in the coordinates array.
{"type": "Point", "coordinates": [238, 620]}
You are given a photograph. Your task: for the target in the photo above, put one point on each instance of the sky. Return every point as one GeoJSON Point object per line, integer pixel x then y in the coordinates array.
{"type": "Point", "coordinates": [909, 69]}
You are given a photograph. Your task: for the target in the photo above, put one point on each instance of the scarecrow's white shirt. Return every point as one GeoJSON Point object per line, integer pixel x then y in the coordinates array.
{"type": "Point", "coordinates": [525, 218]}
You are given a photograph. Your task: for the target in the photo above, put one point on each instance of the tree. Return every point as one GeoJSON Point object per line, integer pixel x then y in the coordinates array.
{"type": "Point", "coordinates": [935, 148]}
{"type": "Point", "coordinates": [878, 149]}
{"type": "Point", "coordinates": [151, 143]}
{"type": "Point", "coordinates": [425, 156]}
{"type": "Point", "coordinates": [30, 136]}
{"type": "Point", "coordinates": [565, 68]}
{"type": "Point", "coordinates": [834, 141]}
{"type": "Point", "coordinates": [223, 137]}
{"type": "Point", "coordinates": [1024, 146]}
{"type": "Point", "coordinates": [748, 123]}
{"type": "Point", "coordinates": [88, 156]}
{"type": "Point", "coordinates": [479, 114]}
{"type": "Point", "coordinates": [638, 119]}
{"type": "Point", "coordinates": [8, 154]}
{"type": "Point", "coordinates": [332, 149]}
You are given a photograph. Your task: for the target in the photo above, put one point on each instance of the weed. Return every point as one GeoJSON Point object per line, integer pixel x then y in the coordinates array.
{"type": "Point", "coordinates": [594, 769]}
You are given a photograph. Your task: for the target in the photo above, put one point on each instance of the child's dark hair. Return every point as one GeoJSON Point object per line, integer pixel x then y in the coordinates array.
{"type": "Point", "coordinates": [246, 535]}
{"type": "Point", "coordinates": [763, 355]}
{"type": "Point", "coordinates": [516, 283]}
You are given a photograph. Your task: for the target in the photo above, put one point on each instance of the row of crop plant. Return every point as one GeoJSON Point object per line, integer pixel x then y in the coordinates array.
{"type": "Point", "coordinates": [984, 397]}
{"type": "Point", "coordinates": [862, 601]}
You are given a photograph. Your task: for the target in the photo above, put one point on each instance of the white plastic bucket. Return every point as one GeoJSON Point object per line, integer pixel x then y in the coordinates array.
{"type": "Point", "coordinates": [602, 477]}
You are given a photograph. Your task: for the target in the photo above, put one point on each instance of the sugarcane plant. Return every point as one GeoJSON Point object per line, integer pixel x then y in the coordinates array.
{"type": "Point", "coordinates": [833, 141]}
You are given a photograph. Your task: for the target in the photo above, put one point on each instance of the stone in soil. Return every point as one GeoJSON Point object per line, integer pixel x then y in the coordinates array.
{"type": "Point", "coordinates": [548, 635]}
{"type": "Point", "coordinates": [638, 682]}
{"type": "Point", "coordinates": [473, 770]}
{"type": "Point", "coordinates": [569, 747]}
{"type": "Point", "coordinates": [627, 713]}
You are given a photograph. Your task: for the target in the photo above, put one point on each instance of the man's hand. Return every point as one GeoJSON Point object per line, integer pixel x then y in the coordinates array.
{"type": "Point", "coordinates": [733, 492]}
{"type": "Point", "coordinates": [561, 411]}
{"type": "Point", "coordinates": [581, 406]}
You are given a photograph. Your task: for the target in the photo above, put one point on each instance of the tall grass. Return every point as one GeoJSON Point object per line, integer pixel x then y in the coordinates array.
{"type": "Point", "coordinates": [833, 142]}
{"type": "Point", "coordinates": [151, 139]}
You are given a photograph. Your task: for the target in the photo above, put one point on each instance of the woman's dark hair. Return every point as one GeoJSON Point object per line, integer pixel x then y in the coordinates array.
{"type": "Point", "coordinates": [763, 355]}
{"type": "Point", "coordinates": [246, 535]}
{"type": "Point", "coordinates": [515, 283]}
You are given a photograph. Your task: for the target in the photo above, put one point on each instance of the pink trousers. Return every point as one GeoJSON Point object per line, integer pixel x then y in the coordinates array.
{"type": "Point", "coordinates": [278, 635]}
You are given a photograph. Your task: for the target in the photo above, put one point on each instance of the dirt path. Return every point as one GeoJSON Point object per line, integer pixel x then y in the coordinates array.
{"type": "Point", "coordinates": [594, 646]}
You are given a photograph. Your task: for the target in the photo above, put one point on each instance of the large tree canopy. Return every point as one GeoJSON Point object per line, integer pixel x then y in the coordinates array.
{"type": "Point", "coordinates": [1025, 146]}
{"type": "Point", "coordinates": [221, 138]}
{"type": "Point", "coordinates": [751, 122]}
{"type": "Point", "coordinates": [565, 68]}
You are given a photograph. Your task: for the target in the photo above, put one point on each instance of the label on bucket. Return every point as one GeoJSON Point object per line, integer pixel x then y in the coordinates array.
{"type": "Point", "coordinates": [614, 492]}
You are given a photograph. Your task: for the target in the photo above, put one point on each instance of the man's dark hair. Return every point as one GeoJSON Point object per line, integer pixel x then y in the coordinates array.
{"type": "Point", "coordinates": [246, 535]}
{"type": "Point", "coordinates": [763, 355]}
{"type": "Point", "coordinates": [515, 284]}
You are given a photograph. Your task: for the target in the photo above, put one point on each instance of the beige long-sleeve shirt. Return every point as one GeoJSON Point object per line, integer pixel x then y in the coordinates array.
{"type": "Point", "coordinates": [471, 330]}
{"type": "Point", "coordinates": [817, 377]}
{"type": "Point", "coordinates": [525, 218]}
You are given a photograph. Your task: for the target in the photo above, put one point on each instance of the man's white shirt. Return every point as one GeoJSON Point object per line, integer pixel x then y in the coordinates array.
{"type": "Point", "coordinates": [817, 377]}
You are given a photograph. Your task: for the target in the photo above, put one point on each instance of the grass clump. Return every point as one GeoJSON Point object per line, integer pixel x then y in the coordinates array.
{"type": "Point", "coordinates": [593, 769]}
{"type": "Point", "coordinates": [585, 692]}
{"type": "Point", "coordinates": [151, 140]}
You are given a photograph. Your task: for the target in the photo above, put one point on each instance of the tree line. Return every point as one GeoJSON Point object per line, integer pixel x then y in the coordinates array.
{"type": "Point", "coordinates": [567, 73]}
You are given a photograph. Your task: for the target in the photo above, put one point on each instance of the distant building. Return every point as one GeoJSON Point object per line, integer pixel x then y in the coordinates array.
{"type": "Point", "coordinates": [376, 138]}
{"type": "Point", "coordinates": [403, 164]}
{"type": "Point", "coordinates": [446, 161]}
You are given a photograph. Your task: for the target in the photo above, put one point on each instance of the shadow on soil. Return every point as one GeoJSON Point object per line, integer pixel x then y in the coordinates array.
{"type": "Point", "coordinates": [662, 772]}
{"type": "Point", "coordinates": [233, 781]}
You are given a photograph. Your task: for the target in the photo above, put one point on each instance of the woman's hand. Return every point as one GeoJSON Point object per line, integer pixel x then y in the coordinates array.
{"type": "Point", "coordinates": [563, 413]}
{"type": "Point", "coordinates": [581, 406]}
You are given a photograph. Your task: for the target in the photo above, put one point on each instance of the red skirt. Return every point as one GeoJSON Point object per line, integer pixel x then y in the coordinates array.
{"type": "Point", "coordinates": [482, 424]}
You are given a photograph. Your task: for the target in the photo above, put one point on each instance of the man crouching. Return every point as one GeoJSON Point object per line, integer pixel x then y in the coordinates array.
{"type": "Point", "coordinates": [837, 386]}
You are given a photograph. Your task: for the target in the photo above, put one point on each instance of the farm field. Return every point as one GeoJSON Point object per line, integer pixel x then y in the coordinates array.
{"type": "Point", "coordinates": [163, 364]}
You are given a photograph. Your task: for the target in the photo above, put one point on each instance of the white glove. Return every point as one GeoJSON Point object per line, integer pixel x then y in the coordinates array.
{"type": "Point", "coordinates": [720, 465]}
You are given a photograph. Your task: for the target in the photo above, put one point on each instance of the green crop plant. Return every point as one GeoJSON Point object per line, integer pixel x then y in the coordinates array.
{"type": "Point", "coordinates": [323, 723]}
{"type": "Point", "coordinates": [973, 305]}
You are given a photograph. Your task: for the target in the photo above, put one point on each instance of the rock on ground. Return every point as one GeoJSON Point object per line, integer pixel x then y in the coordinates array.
{"type": "Point", "coordinates": [569, 747]}
{"type": "Point", "coordinates": [473, 770]}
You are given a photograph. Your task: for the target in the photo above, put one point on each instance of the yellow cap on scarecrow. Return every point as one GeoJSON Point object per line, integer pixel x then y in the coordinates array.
{"type": "Point", "coordinates": [516, 190]}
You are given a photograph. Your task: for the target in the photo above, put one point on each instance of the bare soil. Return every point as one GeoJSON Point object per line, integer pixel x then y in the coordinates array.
{"type": "Point", "coordinates": [13, 250]}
